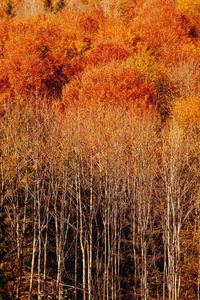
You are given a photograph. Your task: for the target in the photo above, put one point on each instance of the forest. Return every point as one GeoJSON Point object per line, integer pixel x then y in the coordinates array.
{"type": "Point", "coordinates": [100, 149]}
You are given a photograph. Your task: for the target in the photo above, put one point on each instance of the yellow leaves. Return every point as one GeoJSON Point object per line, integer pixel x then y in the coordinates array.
{"type": "Point", "coordinates": [186, 112]}
{"type": "Point", "coordinates": [192, 9]}
{"type": "Point", "coordinates": [58, 5]}
{"type": "Point", "coordinates": [81, 45]}
{"type": "Point", "coordinates": [190, 50]}
{"type": "Point", "coordinates": [8, 6]}
{"type": "Point", "coordinates": [186, 116]}
{"type": "Point", "coordinates": [188, 4]}
{"type": "Point", "coordinates": [72, 44]}
{"type": "Point", "coordinates": [147, 66]}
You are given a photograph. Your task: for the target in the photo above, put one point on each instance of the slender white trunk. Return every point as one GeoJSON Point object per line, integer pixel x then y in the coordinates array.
{"type": "Point", "coordinates": [198, 220]}
{"type": "Point", "coordinates": [45, 246]}
{"type": "Point", "coordinates": [33, 250]}
{"type": "Point", "coordinates": [105, 222]}
{"type": "Point", "coordinates": [82, 243]}
{"type": "Point", "coordinates": [90, 233]}
{"type": "Point", "coordinates": [76, 263]}
{"type": "Point", "coordinates": [58, 241]}
{"type": "Point", "coordinates": [39, 252]}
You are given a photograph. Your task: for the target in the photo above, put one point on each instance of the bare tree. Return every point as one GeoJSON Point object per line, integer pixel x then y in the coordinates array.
{"type": "Point", "coordinates": [177, 180]}
{"type": "Point", "coordinates": [142, 170]}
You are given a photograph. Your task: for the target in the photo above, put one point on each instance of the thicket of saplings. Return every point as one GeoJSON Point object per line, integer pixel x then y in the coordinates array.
{"type": "Point", "coordinates": [99, 181]}
{"type": "Point", "coordinates": [100, 204]}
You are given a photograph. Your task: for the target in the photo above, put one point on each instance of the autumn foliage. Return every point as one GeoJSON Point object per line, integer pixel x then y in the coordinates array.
{"type": "Point", "coordinates": [110, 84]}
{"type": "Point", "coordinates": [40, 54]}
{"type": "Point", "coordinates": [99, 149]}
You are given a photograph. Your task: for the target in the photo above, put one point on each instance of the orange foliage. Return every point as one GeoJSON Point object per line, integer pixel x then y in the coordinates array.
{"type": "Point", "coordinates": [113, 30]}
{"type": "Point", "coordinates": [89, 21]}
{"type": "Point", "coordinates": [40, 54]}
{"type": "Point", "coordinates": [110, 84]}
{"type": "Point", "coordinates": [106, 52]}
{"type": "Point", "coordinates": [162, 29]}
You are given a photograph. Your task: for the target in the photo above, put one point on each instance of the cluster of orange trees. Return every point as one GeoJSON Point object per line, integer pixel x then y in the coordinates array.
{"type": "Point", "coordinates": [99, 149]}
